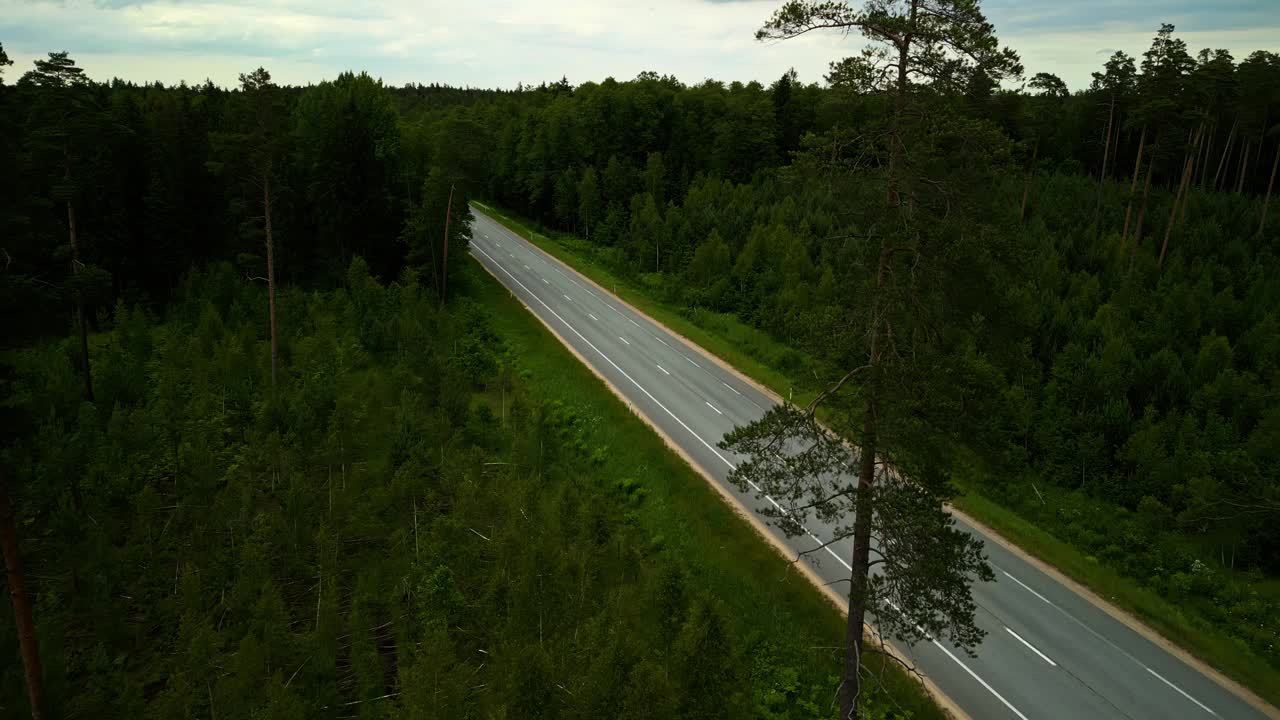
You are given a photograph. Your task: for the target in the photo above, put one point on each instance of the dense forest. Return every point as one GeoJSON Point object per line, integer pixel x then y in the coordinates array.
{"type": "Point", "coordinates": [233, 509]}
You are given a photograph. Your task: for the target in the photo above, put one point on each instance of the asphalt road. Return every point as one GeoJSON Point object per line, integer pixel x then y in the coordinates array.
{"type": "Point", "coordinates": [1049, 653]}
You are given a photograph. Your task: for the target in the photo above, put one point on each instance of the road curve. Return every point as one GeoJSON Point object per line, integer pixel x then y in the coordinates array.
{"type": "Point", "coordinates": [1049, 653]}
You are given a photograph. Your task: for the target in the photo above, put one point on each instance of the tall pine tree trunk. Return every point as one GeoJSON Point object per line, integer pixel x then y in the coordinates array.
{"type": "Point", "coordinates": [271, 272]}
{"type": "Point", "coordinates": [1271, 183]}
{"type": "Point", "coordinates": [1187, 162]}
{"type": "Point", "coordinates": [1133, 187]}
{"type": "Point", "coordinates": [1142, 210]}
{"type": "Point", "coordinates": [22, 615]}
{"type": "Point", "coordinates": [1026, 182]}
{"type": "Point", "coordinates": [444, 262]}
{"type": "Point", "coordinates": [81, 320]}
{"type": "Point", "coordinates": [1226, 151]}
{"type": "Point", "coordinates": [1244, 166]}
{"type": "Point", "coordinates": [1106, 155]}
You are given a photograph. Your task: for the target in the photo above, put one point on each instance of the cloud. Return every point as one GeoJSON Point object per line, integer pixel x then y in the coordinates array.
{"type": "Point", "coordinates": [502, 42]}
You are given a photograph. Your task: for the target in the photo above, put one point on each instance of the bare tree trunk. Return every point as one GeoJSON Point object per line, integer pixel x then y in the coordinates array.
{"type": "Point", "coordinates": [1142, 210]}
{"type": "Point", "coordinates": [1244, 166]}
{"type": "Point", "coordinates": [23, 618]}
{"type": "Point", "coordinates": [1106, 155]}
{"type": "Point", "coordinates": [1187, 161]}
{"type": "Point", "coordinates": [1133, 186]}
{"type": "Point", "coordinates": [444, 270]}
{"type": "Point", "coordinates": [1226, 150]}
{"type": "Point", "coordinates": [1271, 183]}
{"type": "Point", "coordinates": [1026, 182]}
{"type": "Point", "coordinates": [271, 272]}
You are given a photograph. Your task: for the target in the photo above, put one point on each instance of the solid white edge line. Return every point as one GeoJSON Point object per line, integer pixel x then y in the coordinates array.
{"type": "Point", "coordinates": [611, 362]}
{"type": "Point", "coordinates": [691, 362]}
{"type": "Point", "coordinates": [1024, 587]}
{"type": "Point", "coordinates": [1181, 692]}
{"type": "Point", "coordinates": [713, 407]}
{"type": "Point", "coordinates": [1030, 646]}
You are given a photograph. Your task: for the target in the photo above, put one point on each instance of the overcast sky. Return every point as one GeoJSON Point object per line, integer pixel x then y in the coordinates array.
{"type": "Point", "coordinates": [498, 43]}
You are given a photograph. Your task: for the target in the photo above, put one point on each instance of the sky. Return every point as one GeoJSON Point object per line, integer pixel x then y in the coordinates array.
{"type": "Point", "coordinates": [499, 43]}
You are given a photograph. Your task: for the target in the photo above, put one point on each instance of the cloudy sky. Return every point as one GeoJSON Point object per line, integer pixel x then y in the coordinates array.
{"type": "Point", "coordinates": [502, 42]}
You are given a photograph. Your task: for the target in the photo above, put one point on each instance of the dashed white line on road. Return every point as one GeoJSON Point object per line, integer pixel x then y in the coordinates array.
{"type": "Point", "coordinates": [713, 407]}
{"type": "Point", "coordinates": [1024, 587]}
{"type": "Point", "coordinates": [544, 281]}
{"type": "Point", "coordinates": [664, 342]}
{"type": "Point", "coordinates": [633, 322]}
{"type": "Point", "coordinates": [663, 369]}
{"type": "Point", "coordinates": [735, 392]}
{"type": "Point", "coordinates": [526, 267]}
{"type": "Point", "coordinates": [1181, 692]}
{"type": "Point", "coordinates": [691, 362]}
{"type": "Point", "coordinates": [566, 297]}
{"type": "Point", "coordinates": [593, 317]}
{"type": "Point", "coordinates": [623, 339]}
{"type": "Point", "coordinates": [981, 682]}
{"type": "Point", "coordinates": [1031, 647]}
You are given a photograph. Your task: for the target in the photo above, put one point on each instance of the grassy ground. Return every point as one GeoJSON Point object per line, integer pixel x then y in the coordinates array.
{"type": "Point", "coordinates": [684, 514]}
{"type": "Point", "coordinates": [725, 338]}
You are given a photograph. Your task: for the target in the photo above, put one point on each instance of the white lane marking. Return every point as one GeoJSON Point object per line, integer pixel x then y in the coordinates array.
{"type": "Point", "coordinates": [1181, 691]}
{"type": "Point", "coordinates": [526, 267]}
{"type": "Point", "coordinates": [1024, 586]}
{"type": "Point", "coordinates": [1031, 647]}
{"type": "Point", "coordinates": [566, 297]}
{"type": "Point", "coordinates": [623, 339]}
{"type": "Point", "coordinates": [544, 280]}
{"type": "Point", "coordinates": [633, 322]}
{"type": "Point", "coordinates": [713, 407]}
{"type": "Point", "coordinates": [691, 362]}
{"type": "Point", "coordinates": [593, 317]}
{"type": "Point", "coordinates": [664, 342]}
{"type": "Point", "coordinates": [663, 369]}
{"type": "Point", "coordinates": [981, 682]}
{"type": "Point", "coordinates": [611, 362]}
{"type": "Point", "coordinates": [735, 392]}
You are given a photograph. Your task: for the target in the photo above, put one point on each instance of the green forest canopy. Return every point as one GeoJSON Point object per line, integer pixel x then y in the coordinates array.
{"type": "Point", "coordinates": [1136, 363]}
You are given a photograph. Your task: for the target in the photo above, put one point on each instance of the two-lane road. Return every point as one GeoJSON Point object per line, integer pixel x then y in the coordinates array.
{"type": "Point", "coordinates": [1049, 653]}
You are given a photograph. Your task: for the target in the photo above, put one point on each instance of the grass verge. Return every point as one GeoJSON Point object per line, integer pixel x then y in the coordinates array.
{"type": "Point", "coordinates": [764, 596]}
{"type": "Point", "coordinates": [725, 338]}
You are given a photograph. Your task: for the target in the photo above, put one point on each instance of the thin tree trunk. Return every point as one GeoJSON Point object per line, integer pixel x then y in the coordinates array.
{"type": "Point", "coordinates": [444, 270]}
{"type": "Point", "coordinates": [1142, 210]}
{"type": "Point", "coordinates": [1191, 176]}
{"type": "Point", "coordinates": [1133, 187]}
{"type": "Point", "coordinates": [1226, 150]}
{"type": "Point", "coordinates": [1266, 201]}
{"type": "Point", "coordinates": [23, 618]}
{"type": "Point", "coordinates": [81, 320]}
{"type": "Point", "coordinates": [1106, 155]}
{"type": "Point", "coordinates": [1026, 182]}
{"type": "Point", "coordinates": [1244, 166]}
{"type": "Point", "coordinates": [1188, 160]}
{"type": "Point", "coordinates": [1208, 151]}
{"type": "Point", "coordinates": [271, 272]}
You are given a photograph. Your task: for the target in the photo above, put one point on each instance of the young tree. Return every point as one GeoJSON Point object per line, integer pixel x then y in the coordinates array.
{"type": "Point", "coordinates": [589, 202]}
{"type": "Point", "coordinates": [906, 367]}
